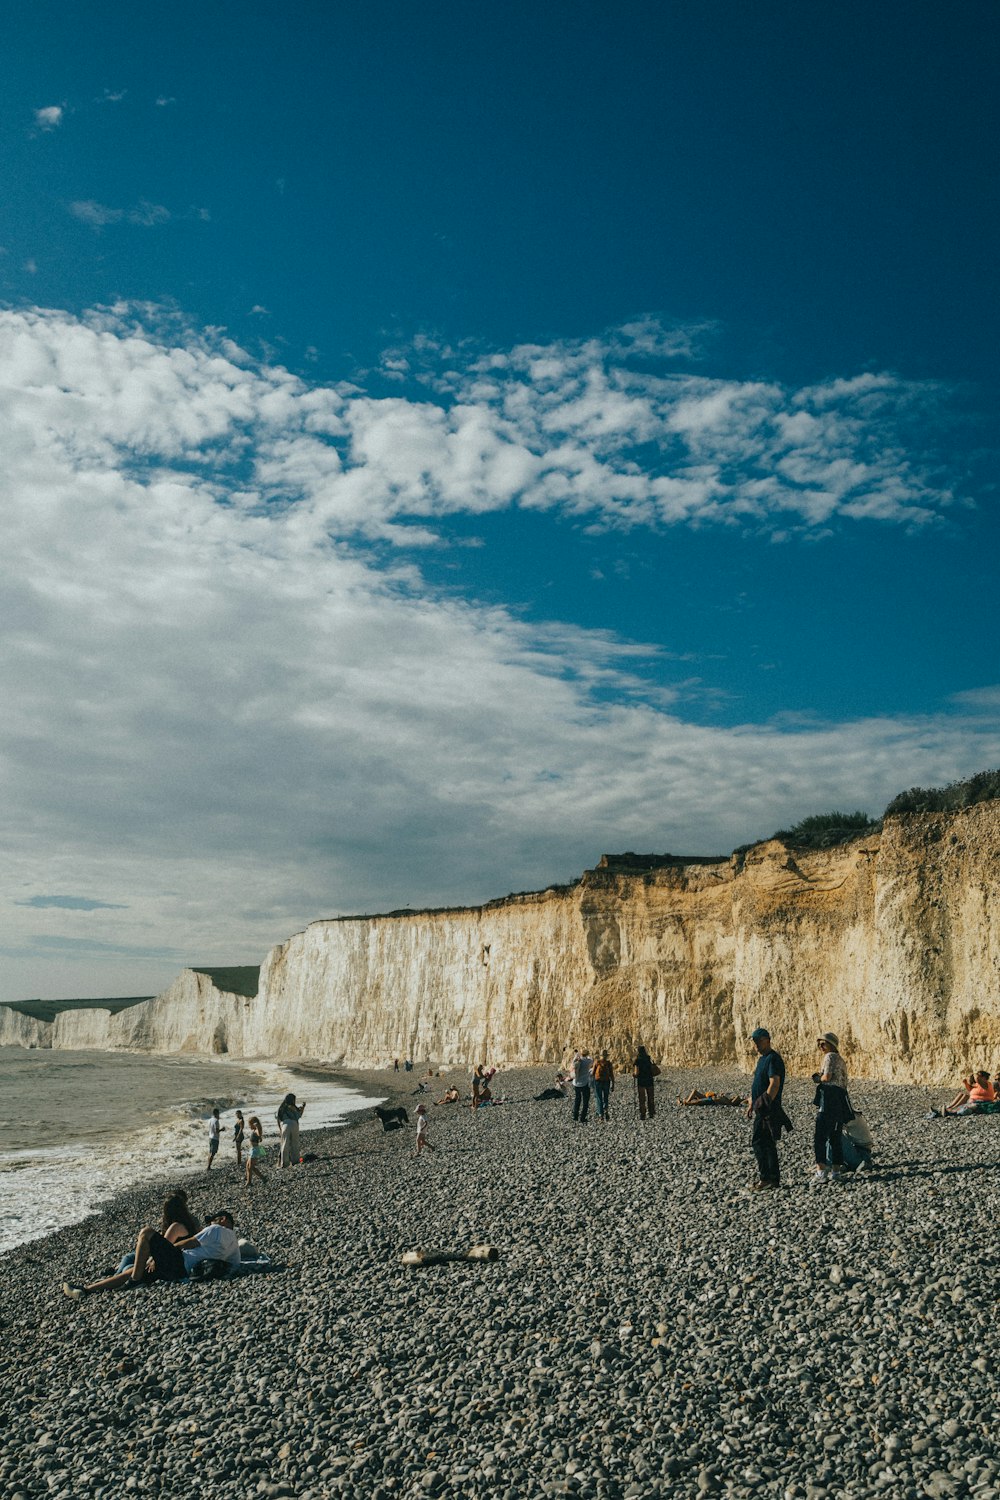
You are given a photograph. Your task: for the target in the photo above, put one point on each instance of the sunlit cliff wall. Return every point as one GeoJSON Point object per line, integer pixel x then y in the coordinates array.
{"type": "Point", "coordinates": [893, 942]}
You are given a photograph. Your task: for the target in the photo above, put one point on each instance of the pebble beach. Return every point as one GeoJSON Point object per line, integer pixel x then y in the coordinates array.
{"type": "Point", "coordinates": [649, 1327]}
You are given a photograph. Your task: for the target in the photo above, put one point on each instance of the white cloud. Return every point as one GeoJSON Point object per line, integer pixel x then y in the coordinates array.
{"type": "Point", "coordinates": [50, 117]}
{"type": "Point", "coordinates": [144, 214]}
{"type": "Point", "coordinates": [223, 712]}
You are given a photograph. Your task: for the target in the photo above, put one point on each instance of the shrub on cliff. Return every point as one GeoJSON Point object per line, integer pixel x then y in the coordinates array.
{"type": "Point", "coordinates": [824, 830]}
{"type": "Point", "coordinates": [982, 787]}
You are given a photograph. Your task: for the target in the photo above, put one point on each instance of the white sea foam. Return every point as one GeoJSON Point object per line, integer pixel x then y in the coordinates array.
{"type": "Point", "coordinates": [46, 1187]}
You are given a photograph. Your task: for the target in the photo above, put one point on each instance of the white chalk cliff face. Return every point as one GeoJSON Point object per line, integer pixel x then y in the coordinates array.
{"type": "Point", "coordinates": [893, 942]}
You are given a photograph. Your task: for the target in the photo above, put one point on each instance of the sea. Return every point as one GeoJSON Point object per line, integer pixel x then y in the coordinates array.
{"type": "Point", "coordinates": [76, 1127]}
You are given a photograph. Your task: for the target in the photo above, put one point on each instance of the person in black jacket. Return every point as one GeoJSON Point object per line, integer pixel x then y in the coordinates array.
{"type": "Point", "coordinates": [769, 1119]}
{"type": "Point", "coordinates": [644, 1070]}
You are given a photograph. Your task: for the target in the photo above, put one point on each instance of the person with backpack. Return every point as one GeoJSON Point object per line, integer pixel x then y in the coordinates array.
{"type": "Point", "coordinates": [644, 1070]}
{"type": "Point", "coordinates": [604, 1082]}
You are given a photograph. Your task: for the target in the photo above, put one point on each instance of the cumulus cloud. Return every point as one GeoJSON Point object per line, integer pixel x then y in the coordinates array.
{"type": "Point", "coordinates": [49, 117]}
{"type": "Point", "coordinates": [227, 710]}
{"type": "Point", "coordinates": [98, 215]}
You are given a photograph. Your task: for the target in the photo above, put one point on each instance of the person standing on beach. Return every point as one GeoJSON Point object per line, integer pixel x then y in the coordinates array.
{"type": "Point", "coordinates": [604, 1082]}
{"type": "Point", "coordinates": [769, 1119]}
{"type": "Point", "coordinates": [834, 1110]}
{"type": "Point", "coordinates": [583, 1074]}
{"type": "Point", "coordinates": [644, 1071]}
{"type": "Point", "coordinates": [239, 1130]}
{"type": "Point", "coordinates": [255, 1155]}
{"type": "Point", "coordinates": [289, 1115]}
{"type": "Point", "coordinates": [423, 1143]}
{"type": "Point", "coordinates": [213, 1138]}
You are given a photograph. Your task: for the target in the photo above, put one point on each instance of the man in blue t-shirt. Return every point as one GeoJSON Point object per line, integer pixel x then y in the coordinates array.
{"type": "Point", "coordinates": [769, 1119]}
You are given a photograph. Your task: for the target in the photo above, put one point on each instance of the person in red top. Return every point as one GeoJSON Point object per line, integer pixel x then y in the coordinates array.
{"type": "Point", "coordinates": [977, 1089]}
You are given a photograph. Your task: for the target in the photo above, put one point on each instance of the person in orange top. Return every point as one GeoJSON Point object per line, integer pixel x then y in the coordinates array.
{"type": "Point", "coordinates": [977, 1090]}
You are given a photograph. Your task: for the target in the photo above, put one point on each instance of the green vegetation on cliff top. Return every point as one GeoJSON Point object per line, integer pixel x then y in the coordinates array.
{"type": "Point", "coordinates": [47, 1010]}
{"type": "Point", "coordinates": [243, 979]}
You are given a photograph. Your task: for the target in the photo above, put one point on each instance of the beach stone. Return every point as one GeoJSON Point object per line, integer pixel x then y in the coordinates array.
{"type": "Point", "coordinates": [537, 1374]}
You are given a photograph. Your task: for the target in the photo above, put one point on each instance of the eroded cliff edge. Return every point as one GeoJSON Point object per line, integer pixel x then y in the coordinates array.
{"type": "Point", "coordinates": [892, 941]}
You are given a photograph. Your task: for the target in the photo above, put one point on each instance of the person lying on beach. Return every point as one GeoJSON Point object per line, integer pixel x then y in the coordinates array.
{"type": "Point", "coordinates": [160, 1259]}
{"type": "Point", "coordinates": [450, 1096]}
{"type": "Point", "coordinates": [177, 1222]}
{"type": "Point", "coordinates": [976, 1091]}
{"type": "Point", "coordinates": [695, 1098]}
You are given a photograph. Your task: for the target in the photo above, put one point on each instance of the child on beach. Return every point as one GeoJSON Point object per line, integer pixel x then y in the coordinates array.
{"type": "Point", "coordinates": [256, 1152]}
{"type": "Point", "coordinates": [423, 1144]}
{"type": "Point", "coordinates": [213, 1138]}
{"type": "Point", "coordinates": [239, 1130]}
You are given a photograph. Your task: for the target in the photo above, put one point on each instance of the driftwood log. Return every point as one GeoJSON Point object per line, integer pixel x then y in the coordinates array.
{"type": "Point", "coordinates": [441, 1257]}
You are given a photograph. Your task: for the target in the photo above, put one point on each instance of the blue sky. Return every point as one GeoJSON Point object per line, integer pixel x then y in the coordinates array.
{"type": "Point", "coordinates": [445, 444]}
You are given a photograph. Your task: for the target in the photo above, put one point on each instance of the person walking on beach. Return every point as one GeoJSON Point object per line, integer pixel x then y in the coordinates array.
{"type": "Point", "coordinates": [834, 1110]}
{"type": "Point", "coordinates": [644, 1071]}
{"type": "Point", "coordinates": [769, 1119]}
{"type": "Point", "coordinates": [289, 1115]}
{"type": "Point", "coordinates": [213, 1138]}
{"type": "Point", "coordinates": [583, 1075]}
{"type": "Point", "coordinates": [239, 1130]}
{"type": "Point", "coordinates": [604, 1082]}
{"type": "Point", "coordinates": [255, 1154]}
{"type": "Point", "coordinates": [423, 1142]}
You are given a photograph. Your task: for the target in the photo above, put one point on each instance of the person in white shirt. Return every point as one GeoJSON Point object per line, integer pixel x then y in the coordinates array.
{"type": "Point", "coordinates": [159, 1259]}
{"type": "Point", "coordinates": [583, 1067]}
{"type": "Point", "coordinates": [423, 1143]}
{"type": "Point", "coordinates": [213, 1138]}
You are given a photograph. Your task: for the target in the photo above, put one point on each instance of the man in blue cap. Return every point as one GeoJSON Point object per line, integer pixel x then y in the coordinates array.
{"type": "Point", "coordinates": [769, 1119]}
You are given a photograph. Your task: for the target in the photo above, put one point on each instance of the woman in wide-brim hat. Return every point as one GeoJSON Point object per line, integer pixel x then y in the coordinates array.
{"type": "Point", "coordinates": [834, 1109]}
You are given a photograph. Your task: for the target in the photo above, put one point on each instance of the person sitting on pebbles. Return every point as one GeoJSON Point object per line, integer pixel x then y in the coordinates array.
{"type": "Point", "coordinates": [450, 1096]}
{"type": "Point", "coordinates": [976, 1091]}
{"type": "Point", "coordinates": [160, 1259]}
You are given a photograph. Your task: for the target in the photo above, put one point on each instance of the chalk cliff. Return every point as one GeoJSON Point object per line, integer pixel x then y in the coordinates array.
{"type": "Point", "coordinates": [892, 941]}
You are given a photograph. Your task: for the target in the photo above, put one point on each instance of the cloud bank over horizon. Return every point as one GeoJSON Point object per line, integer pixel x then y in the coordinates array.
{"type": "Point", "coordinates": [236, 703]}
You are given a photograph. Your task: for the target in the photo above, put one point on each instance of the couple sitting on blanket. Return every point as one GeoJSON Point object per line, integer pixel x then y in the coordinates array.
{"type": "Point", "coordinates": [172, 1255]}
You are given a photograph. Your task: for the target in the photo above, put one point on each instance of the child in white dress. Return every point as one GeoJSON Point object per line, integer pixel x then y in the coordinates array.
{"type": "Point", "coordinates": [423, 1144]}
